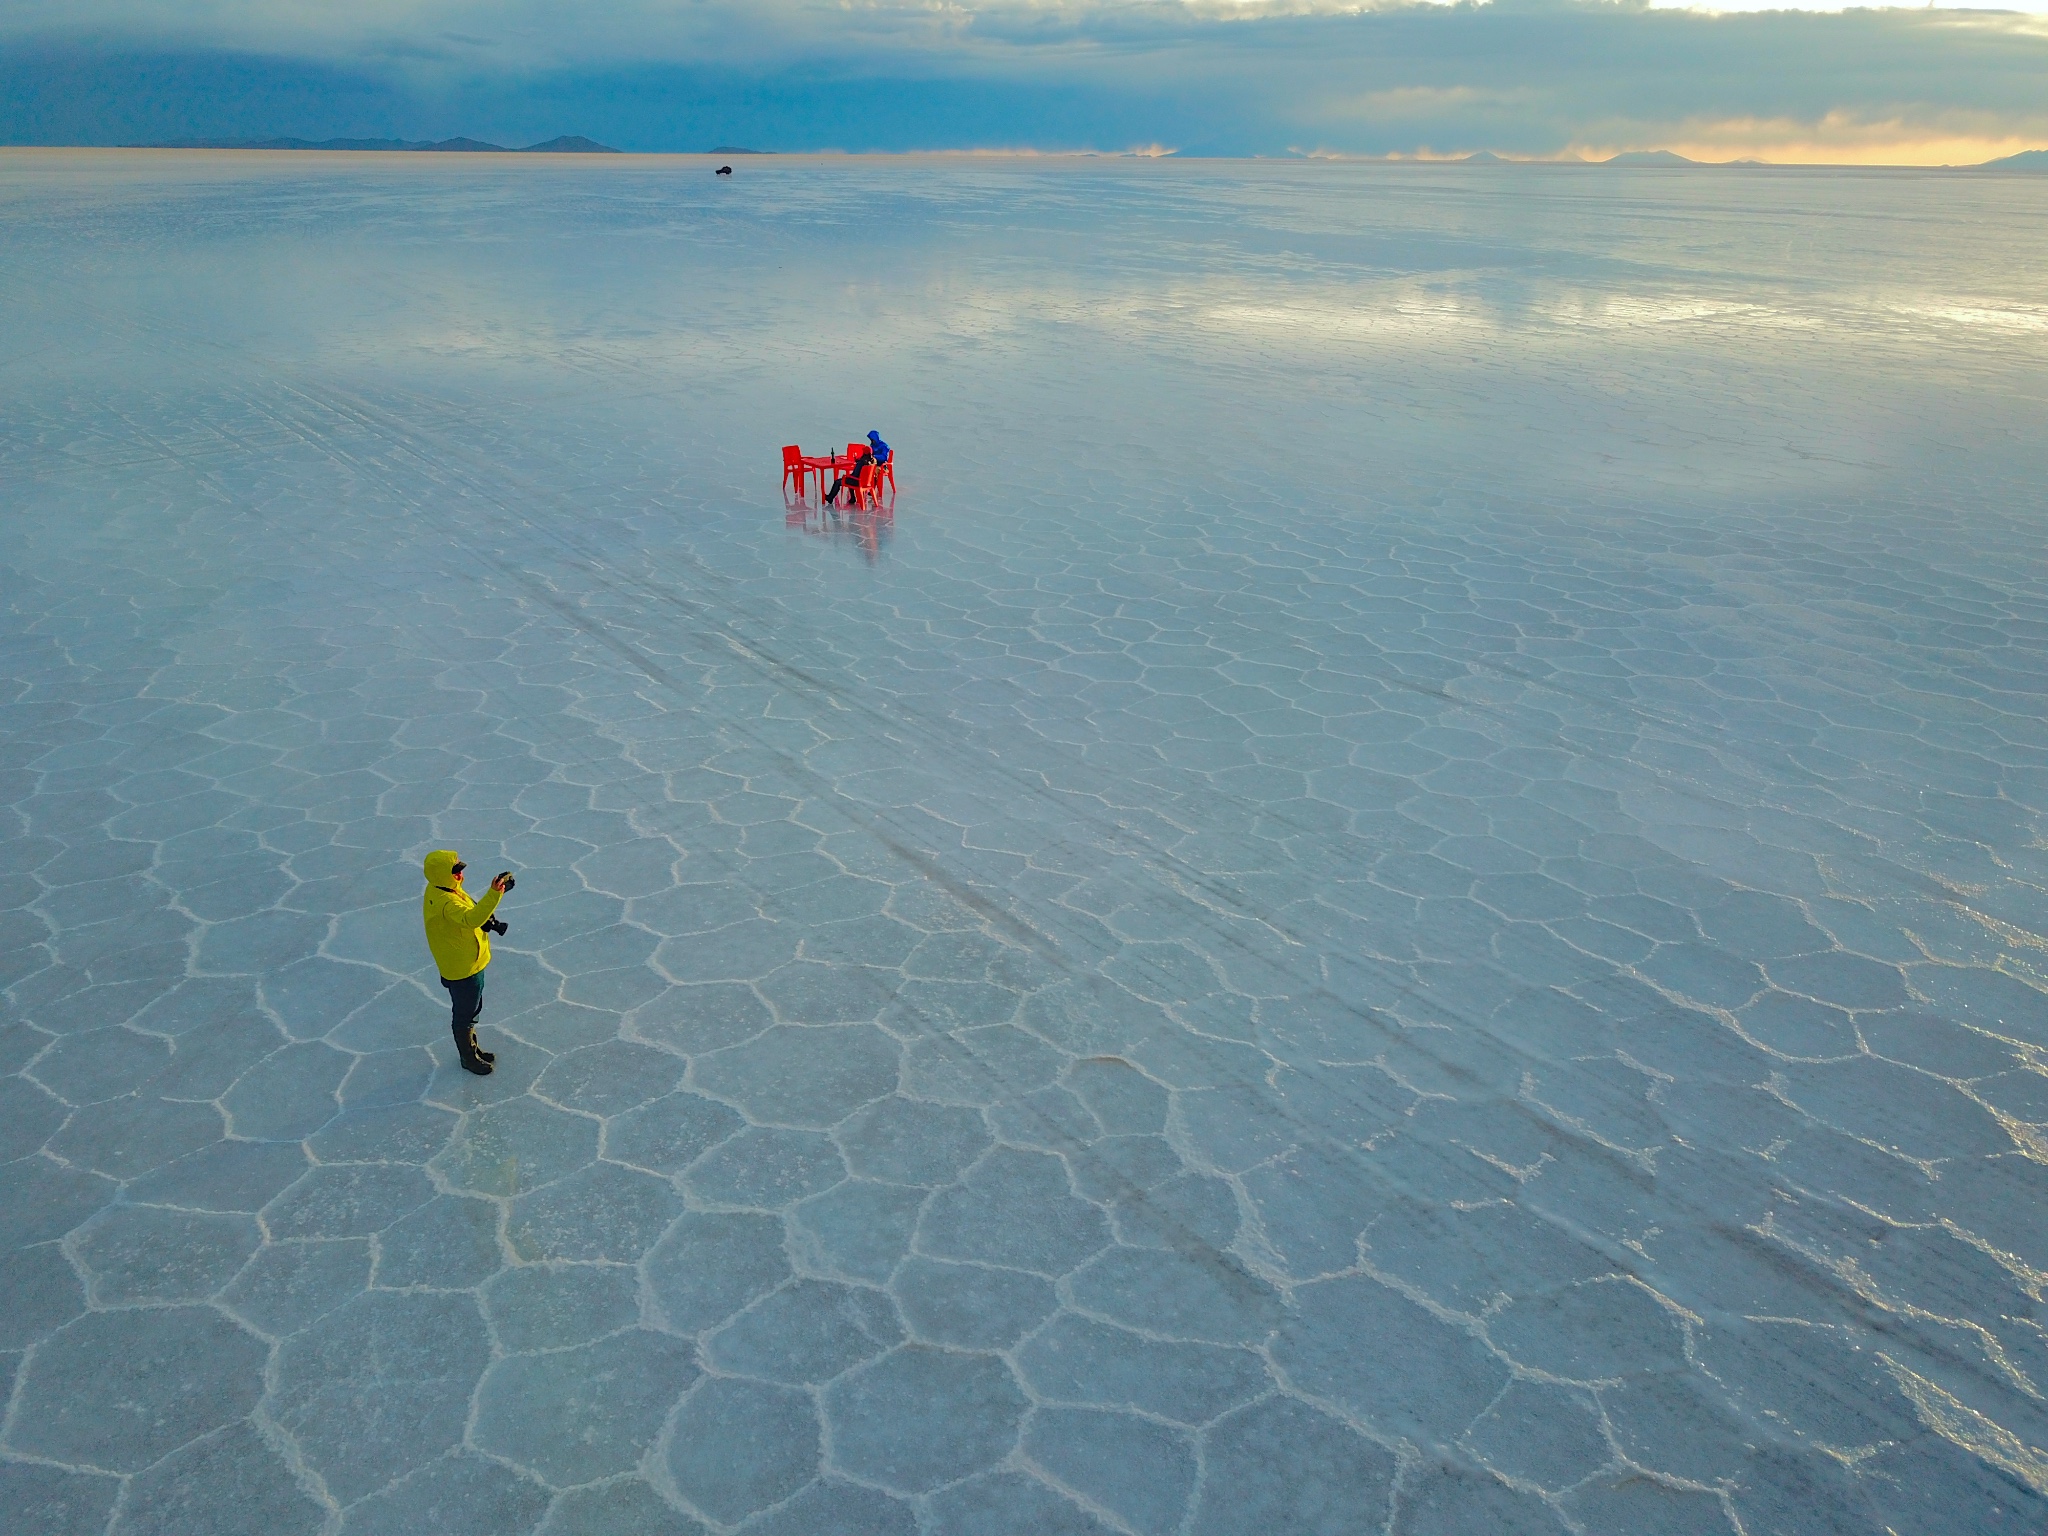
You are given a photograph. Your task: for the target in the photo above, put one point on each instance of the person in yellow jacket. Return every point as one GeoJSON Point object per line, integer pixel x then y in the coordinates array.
{"type": "Point", "coordinates": [456, 933]}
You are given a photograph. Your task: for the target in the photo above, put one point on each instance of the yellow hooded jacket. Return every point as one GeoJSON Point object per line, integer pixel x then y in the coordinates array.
{"type": "Point", "coordinates": [454, 922]}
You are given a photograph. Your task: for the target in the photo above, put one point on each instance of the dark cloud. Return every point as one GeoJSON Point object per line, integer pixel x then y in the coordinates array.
{"type": "Point", "coordinates": [110, 94]}
{"type": "Point", "coordinates": [1533, 77]}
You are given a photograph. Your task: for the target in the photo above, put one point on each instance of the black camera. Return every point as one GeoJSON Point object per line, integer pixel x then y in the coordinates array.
{"type": "Point", "coordinates": [506, 876]}
{"type": "Point", "coordinates": [494, 925]}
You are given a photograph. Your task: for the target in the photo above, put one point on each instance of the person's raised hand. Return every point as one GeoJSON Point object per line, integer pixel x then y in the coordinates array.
{"type": "Point", "coordinates": [501, 885]}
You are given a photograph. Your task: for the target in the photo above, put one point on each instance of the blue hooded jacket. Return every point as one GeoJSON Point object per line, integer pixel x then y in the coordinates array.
{"type": "Point", "coordinates": [881, 448]}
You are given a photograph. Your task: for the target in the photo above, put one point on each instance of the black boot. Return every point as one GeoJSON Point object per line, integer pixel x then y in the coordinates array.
{"type": "Point", "coordinates": [466, 1001]}
{"type": "Point", "coordinates": [487, 1057]}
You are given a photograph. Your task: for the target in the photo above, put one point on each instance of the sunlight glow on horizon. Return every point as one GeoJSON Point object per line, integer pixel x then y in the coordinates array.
{"type": "Point", "coordinates": [1751, 7]}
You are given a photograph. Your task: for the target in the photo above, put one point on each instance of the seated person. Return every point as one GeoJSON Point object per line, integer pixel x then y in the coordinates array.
{"type": "Point", "coordinates": [861, 461]}
{"type": "Point", "coordinates": [877, 452]}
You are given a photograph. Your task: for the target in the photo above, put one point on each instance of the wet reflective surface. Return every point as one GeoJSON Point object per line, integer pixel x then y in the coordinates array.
{"type": "Point", "coordinates": [1404, 892]}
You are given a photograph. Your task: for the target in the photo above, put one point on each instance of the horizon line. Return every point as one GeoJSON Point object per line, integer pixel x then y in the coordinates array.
{"type": "Point", "coordinates": [1481, 159]}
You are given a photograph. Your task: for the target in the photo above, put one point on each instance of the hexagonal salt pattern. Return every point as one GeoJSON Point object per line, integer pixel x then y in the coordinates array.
{"type": "Point", "coordinates": [1404, 895]}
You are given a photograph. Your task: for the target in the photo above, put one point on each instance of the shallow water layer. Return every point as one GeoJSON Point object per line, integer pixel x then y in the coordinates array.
{"type": "Point", "coordinates": [1403, 891]}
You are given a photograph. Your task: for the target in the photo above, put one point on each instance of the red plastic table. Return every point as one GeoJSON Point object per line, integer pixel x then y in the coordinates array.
{"type": "Point", "coordinates": [827, 463]}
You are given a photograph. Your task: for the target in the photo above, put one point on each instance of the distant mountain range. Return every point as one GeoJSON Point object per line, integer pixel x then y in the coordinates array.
{"type": "Point", "coordinates": [2028, 160]}
{"type": "Point", "coordinates": [567, 144]}
{"type": "Point", "coordinates": [1648, 157]}
{"type": "Point", "coordinates": [1632, 157]}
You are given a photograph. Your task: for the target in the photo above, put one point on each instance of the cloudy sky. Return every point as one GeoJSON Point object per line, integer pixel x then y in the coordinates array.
{"type": "Point", "coordinates": [1520, 77]}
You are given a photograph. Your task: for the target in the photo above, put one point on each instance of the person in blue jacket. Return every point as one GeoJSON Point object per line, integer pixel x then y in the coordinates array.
{"type": "Point", "coordinates": [876, 451]}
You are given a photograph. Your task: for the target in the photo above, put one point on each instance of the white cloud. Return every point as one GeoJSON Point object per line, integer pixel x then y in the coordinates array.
{"type": "Point", "coordinates": [1523, 78]}
{"type": "Point", "coordinates": [558, 33]}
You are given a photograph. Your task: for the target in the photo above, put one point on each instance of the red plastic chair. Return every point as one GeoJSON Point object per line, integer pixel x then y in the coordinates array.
{"type": "Point", "coordinates": [866, 487]}
{"type": "Point", "coordinates": [888, 470]}
{"type": "Point", "coordinates": [793, 467]}
{"type": "Point", "coordinates": [863, 481]}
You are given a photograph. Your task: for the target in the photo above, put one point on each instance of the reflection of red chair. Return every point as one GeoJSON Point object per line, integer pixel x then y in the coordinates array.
{"type": "Point", "coordinates": [793, 467]}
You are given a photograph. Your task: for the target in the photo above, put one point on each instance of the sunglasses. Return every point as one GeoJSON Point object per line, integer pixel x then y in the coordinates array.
{"type": "Point", "coordinates": [456, 869]}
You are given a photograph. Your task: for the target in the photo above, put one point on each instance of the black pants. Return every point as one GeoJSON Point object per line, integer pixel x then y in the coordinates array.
{"type": "Point", "coordinates": [466, 1000]}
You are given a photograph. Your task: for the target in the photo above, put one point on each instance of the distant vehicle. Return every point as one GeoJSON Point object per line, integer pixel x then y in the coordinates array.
{"type": "Point", "coordinates": [723, 170]}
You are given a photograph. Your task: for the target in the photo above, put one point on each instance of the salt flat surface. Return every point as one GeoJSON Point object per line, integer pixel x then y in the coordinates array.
{"type": "Point", "coordinates": [1406, 893]}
